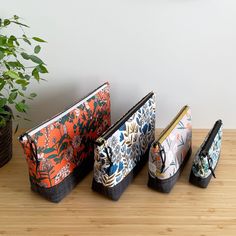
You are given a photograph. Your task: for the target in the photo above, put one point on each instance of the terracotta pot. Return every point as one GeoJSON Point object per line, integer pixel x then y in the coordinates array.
{"type": "Point", "coordinates": [6, 141]}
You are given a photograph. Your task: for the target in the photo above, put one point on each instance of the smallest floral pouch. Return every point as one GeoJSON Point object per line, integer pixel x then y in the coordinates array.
{"type": "Point", "coordinates": [207, 157]}
{"type": "Point", "coordinates": [170, 152]}
{"type": "Point", "coordinates": [123, 149]}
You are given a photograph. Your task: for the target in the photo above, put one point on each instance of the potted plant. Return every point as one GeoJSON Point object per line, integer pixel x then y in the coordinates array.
{"type": "Point", "coordinates": [19, 66]}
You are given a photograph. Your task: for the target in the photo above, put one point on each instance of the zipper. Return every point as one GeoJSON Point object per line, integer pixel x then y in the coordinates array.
{"type": "Point", "coordinates": [207, 145]}
{"type": "Point", "coordinates": [162, 154]}
{"type": "Point", "coordinates": [101, 140]}
{"type": "Point", "coordinates": [172, 124]}
{"type": "Point", "coordinates": [166, 133]}
{"type": "Point", "coordinates": [59, 115]}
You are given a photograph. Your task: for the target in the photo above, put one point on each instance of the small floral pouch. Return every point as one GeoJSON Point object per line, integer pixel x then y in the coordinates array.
{"type": "Point", "coordinates": [122, 150]}
{"type": "Point", "coordinates": [207, 157]}
{"type": "Point", "coordinates": [60, 151]}
{"type": "Point", "coordinates": [170, 152]}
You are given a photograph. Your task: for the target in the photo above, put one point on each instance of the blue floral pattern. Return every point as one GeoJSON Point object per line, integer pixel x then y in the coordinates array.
{"type": "Point", "coordinates": [200, 166]}
{"type": "Point", "coordinates": [124, 149]}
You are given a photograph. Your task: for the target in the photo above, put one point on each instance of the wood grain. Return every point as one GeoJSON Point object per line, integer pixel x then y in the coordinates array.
{"type": "Point", "coordinates": [187, 210]}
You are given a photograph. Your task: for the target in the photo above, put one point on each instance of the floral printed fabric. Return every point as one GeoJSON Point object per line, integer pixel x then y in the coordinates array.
{"type": "Point", "coordinates": [200, 166]}
{"type": "Point", "coordinates": [176, 146]}
{"type": "Point", "coordinates": [68, 142]}
{"type": "Point", "coordinates": [124, 149]}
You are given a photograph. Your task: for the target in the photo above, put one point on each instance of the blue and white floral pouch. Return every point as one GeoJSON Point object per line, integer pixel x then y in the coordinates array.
{"type": "Point", "coordinates": [123, 149]}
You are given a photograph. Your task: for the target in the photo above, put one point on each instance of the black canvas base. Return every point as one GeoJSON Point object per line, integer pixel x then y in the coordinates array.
{"type": "Point", "coordinates": [115, 192]}
{"type": "Point", "coordinates": [200, 182]}
{"type": "Point", "coordinates": [166, 185]}
{"type": "Point", "coordinates": [59, 191]}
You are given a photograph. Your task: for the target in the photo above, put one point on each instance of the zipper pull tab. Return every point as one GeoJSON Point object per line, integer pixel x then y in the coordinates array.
{"type": "Point", "coordinates": [163, 158]}
{"type": "Point", "coordinates": [209, 159]}
{"type": "Point", "coordinates": [162, 154]}
{"type": "Point", "coordinates": [33, 149]}
{"type": "Point", "coordinates": [101, 141]}
{"type": "Point", "coordinates": [210, 162]}
{"type": "Point", "coordinates": [212, 171]}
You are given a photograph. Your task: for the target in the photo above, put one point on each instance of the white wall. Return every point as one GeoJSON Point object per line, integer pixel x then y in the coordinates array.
{"type": "Point", "coordinates": [184, 50]}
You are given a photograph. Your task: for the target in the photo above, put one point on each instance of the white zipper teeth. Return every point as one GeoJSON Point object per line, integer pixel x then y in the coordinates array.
{"type": "Point", "coordinates": [32, 132]}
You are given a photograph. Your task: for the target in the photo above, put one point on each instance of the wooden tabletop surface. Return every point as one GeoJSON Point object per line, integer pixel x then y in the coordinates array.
{"type": "Point", "coordinates": [187, 210]}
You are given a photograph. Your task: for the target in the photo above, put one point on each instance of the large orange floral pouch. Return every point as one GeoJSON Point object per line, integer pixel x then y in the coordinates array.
{"type": "Point", "coordinates": [60, 151]}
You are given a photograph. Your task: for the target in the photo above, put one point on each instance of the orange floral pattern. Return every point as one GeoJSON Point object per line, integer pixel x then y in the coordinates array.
{"type": "Point", "coordinates": [56, 150]}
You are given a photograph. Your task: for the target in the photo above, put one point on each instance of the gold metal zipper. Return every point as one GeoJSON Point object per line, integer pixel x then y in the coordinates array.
{"type": "Point", "coordinates": [166, 132]}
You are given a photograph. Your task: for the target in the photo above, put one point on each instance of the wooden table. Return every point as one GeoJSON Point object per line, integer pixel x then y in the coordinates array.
{"type": "Point", "coordinates": [187, 210]}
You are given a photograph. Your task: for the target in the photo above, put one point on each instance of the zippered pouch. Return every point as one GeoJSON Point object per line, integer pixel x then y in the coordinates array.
{"type": "Point", "coordinates": [207, 157]}
{"type": "Point", "coordinates": [122, 150]}
{"type": "Point", "coordinates": [60, 151]}
{"type": "Point", "coordinates": [170, 152]}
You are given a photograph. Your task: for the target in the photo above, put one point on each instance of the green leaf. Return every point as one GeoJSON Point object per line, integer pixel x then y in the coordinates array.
{"type": "Point", "coordinates": [13, 95]}
{"type": "Point", "coordinates": [27, 77]}
{"type": "Point", "coordinates": [27, 41]}
{"type": "Point", "coordinates": [3, 40]}
{"type": "Point", "coordinates": [52, 156]}
{"type": "Point", "coordinates": [12, 74]}
{"type": "Point", "coordinates": [4, 112]}
{"type": "Point", "coordinates": [1, 55]}
{"type": "Point", "coordinates": [25, 55]}
{"type": "Point", "coordinates": [62, 139]}
{"type": "Point", "coordinates": [11, 40]}
{"type": "Point", "coordinates": [39, 133]}
{"type": "Point", "coordinates": [6, 22]}
{"type": "Point", "coordinates": [48, 150]}
{"type": "Point", "coordinates": [7, 113]}
{"type": "Point", "coordinates": [39, 40]}
{"type": "Point", "coordinates": [12, 37]}
{"type": "Point", "coordinates": [2, 121]}
{"type": "Point", "coordinates": [33, 95]}
{"type": "Point", "coordinates": [63, 147]}
{"type": "Point", "coordinates": [15, 64]}
{"type": "Point", "coordinates": [37, 49]}
{"type": "Point", "coordinates": [35, 73]}
{"type": "Point", "coordinates": [64, 119]}
{"type": "Point", "coordinates": [7, 66]}
{"type": "Point", "coordinates": [21, 94]}
{"type": "Point", "coordinates": [36, 59]}
{"type": "Point", "coordinates": [3, 102]}
{"type": "Point", "coordinates": [42, 69]}
{"type": "Point", "coordinates": [21, 75]}
{"type": "Point", "coordinates": [21, 107]}
{"type": "Point", "coordinates": [22, 82]}
{"type": "Point", "coordinates": [10, 101]}
{"type": "Point", "coordinates": [17, 43]}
